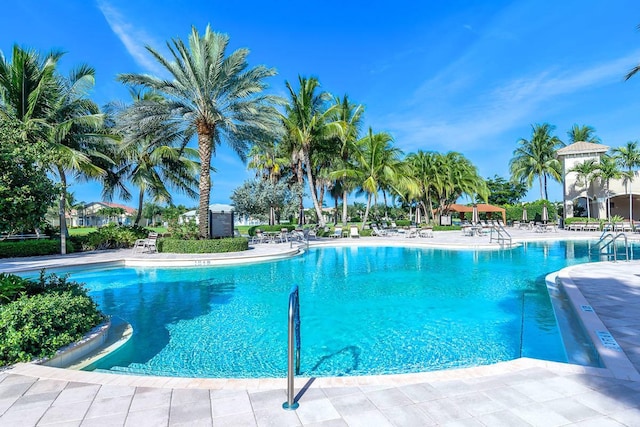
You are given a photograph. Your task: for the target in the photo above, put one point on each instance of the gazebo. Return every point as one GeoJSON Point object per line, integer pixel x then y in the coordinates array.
{"type": "Point", "coordinates": [482, 207]}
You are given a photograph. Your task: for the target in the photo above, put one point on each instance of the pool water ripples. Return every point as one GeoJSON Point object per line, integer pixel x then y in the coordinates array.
{"type": "Point", "coordinates": [364, 310]}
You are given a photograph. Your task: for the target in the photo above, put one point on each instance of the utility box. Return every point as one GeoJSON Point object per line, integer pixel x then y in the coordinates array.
{"type": "Point", "coordinates": [445, 219]}
{"type": "Point", "coordinates": [220, 224]}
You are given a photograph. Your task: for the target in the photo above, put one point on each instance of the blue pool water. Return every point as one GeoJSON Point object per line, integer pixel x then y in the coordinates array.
{"type": "Point", "coordinates": [364, 310]}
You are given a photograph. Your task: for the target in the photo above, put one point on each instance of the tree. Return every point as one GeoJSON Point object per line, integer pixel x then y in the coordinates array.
{"type": "Point", "coordinates": [151, 211]}
{"type": "Point", "coordinates": [585, 171]}
{"type": "Point", "coordinates": [25, 190]}
{"type": "Point", "coordinates": [216, 96]}
{"type": "Point", "coordinates": [307, 121]}
{"type": "Point", "coordinates": [634, 70]}
{"type": "Point", "coordinates": [536, 158]}
{"type": "Point", "coordinates": [583, 133]}
{"type": "Point", "coordinates": [54, 110]}
{"type": "Point", "coordinates": [153, 155]}
{"type": "Point", "coordinates": [350, 117]}
{"type": "Point", "coordinates": [264, 199]}
{"type": "Point", "coordinates": [628, 157]}
{"type": "Point", "coordinates": [503, 192]}
{"type": "Point", "coordinates": [607, 170]}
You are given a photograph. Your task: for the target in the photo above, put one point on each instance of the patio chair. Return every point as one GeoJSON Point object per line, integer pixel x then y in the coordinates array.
{"type": "Point", "coordinates": [147, 245]}
{"type": "Point", "coordinates": [378, 232]}
{"type": "Point", "coordinates": [337, 233]}
{"type": "Point", "coordinates": [425, 232]}
{"type": "Point", "coordinates": [412, 232]}
{"type": "Point", "coordinates": [353, 232]}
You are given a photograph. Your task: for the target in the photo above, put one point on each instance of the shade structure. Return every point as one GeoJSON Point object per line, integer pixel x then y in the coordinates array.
{"type": "Point", "coordinates": [545, 214]}
{"type": "Point", "coordinates": [482, 207]}
{"type": "Point", "coordinates": [475, 218]}
{"type": "Point", "coordinates": [524, 214]}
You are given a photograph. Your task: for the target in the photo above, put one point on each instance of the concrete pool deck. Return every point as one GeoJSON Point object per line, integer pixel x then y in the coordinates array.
{"type": "Point", "coordinates": [521, 392]}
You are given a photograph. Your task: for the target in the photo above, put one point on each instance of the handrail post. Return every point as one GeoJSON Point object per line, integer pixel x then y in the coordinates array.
{"type": "Point", "coordinates": [293, 337]}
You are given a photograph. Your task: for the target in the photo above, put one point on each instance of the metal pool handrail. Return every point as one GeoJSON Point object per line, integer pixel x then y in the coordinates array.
{"type": "Point", "coordinates": [293, 350]}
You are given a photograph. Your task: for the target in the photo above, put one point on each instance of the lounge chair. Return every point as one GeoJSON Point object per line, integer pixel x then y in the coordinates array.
{"type": "Point", "coordinates": [412, 232]}
{"type": "Point", "coordinates": [353, 232]}
{"type": "Point", "coordinates": [425, 232]}
{"type": "Point", "coordinates": [337, 233]}
{"type": "Point", "coordinates": [147, 245]}
{"type": "Point", "coordinates": [378, 232]}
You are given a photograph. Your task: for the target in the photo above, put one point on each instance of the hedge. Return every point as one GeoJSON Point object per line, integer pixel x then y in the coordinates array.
{"type": "Point", "coordinates": [277, 227]}
{"type": "Point", "coordinates": [33, 248]}
{"type": "Point", "coordinates": [204, 246]}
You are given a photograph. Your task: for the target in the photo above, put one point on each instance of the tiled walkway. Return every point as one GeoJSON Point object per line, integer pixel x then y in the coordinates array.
{"type": "Point", "coordinates": [518, 393]}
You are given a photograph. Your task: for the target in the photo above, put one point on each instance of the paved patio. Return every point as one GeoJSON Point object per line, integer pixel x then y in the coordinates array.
{"type": "Point", "coordinates": [522, 392]}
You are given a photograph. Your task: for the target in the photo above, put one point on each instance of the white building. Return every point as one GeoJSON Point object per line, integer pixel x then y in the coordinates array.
{"type": "Point", "coordinates": [577, 194]}
{"type": "Point", "coordinates": [218, 207]}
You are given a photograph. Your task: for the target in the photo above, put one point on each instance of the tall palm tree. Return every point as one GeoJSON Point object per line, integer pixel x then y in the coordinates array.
{"type": "Point", "coordinates": [607, 170]}
{"type": "Point", "coordinates": [153, 155]}
{"type": "Point", "coordinates": [424, 171]}
{"type": "Point", "coordinates": [536, 158]}
{"type": "Point", "coordinates": [216, 96]}
{"type": "Point", "coordinates": [55, 113]}
{"type": "Point", "coordinates": [350, 116]}
{"type": "Point", "coordinates": [585, 172]}
{"type": "Point", "coordinates": [376, 161]}
{"type": "Point", "coordinates": [307, 121]}
{"type": "Point", "coordinates": [583, 133]}
{"type": "Point", "coordinates": [628, 157]}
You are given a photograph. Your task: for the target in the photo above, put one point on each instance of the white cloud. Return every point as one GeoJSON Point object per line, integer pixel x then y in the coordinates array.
{"type": "Point", "coordinates": [133, 38]}
{"type": "Point", "coordinates": [470, 122]}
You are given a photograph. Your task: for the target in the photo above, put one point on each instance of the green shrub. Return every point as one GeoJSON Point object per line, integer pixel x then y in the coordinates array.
{"type": "Point", "coordinates": [37, 326]}
{"type": "Point", "coordinates": [11, 286]}
{"type": "Point", "coordinates": [34, 247]}
{"type": "Point", "coordinates": [277, 227]}
{"type": "Point", "coordinates": [403, 223]}
{"type": "Point", "coordinates": [113, 237]}
{"type": "Point", "coordinates": [204, 246]}
{"type": "Point", "coordinates": [573, 220]}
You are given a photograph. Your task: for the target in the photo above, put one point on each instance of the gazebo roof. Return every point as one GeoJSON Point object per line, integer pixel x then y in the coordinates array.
{"type": "Point", "coordinates": [582, 147]}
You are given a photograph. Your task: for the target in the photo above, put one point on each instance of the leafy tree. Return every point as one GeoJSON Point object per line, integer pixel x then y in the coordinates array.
{"type": "Point", "coordinates": [265, 199]}
{"type": "Point", "coordinates": [503, 192]}
{"type": "Point", "coordinates": [634, 70]}
{"type": "Point", "coordinates": [110, 213]}
{"type": "Point", "coordinates": [216, 96]}
{"type": "Point", "coordinates": [536, 158]}
{"type": "Point", "coordinates": [25, 190]}
{"type": "Point", "coordinates": [628, 158]}
{"type": "Point", "coordinates": [583, 133]}
{"type": "Point", "coordinates": [585, 171]}
{"type": "Point", "coordinates": [151, 211]}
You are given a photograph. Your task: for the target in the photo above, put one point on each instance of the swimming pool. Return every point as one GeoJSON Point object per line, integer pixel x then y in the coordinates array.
{"type": "Point", "coordinates": [364, 310]}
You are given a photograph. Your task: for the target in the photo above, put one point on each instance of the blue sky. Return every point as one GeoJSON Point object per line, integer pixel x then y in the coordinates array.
{"type": "Point", "coordinates": [438, 75]}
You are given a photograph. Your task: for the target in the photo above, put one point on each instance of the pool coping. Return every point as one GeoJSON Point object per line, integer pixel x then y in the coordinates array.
{"type": "Point", "coordinates": [617, 364]}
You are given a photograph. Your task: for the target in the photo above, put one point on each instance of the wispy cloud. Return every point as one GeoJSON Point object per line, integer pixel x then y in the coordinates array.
{"type": "Point", "coordinates": [475, 119]}
{"type": "Point", "coordinates": [132, 37]}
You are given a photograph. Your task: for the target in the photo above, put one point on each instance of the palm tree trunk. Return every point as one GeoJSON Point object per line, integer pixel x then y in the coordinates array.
{"type": "Point", "coordinates": [344, 207]}
{"type": "Point", "coordinates": [314, 198]}
{"type": "Point", "coordinates": [335, 211]}
{"type": "Point", "coordinates": [366, 212]}
{"type": "Point", "coordinates": [205, 147]}
{"type": "Point", "coordinates": [300, 178]}
{"type": "Point", "coordinates": [588, 203]}
{"type": "Point", "coordinates": [139, 214]}
{"type": "Point", "coordinates": [541, 187]}
{"type": "Point", "coordinates": [384, 196]}
{"type": "Point", "coordinates": [63, 219]}
{"type": "Point", "coordinates": [630, 200]}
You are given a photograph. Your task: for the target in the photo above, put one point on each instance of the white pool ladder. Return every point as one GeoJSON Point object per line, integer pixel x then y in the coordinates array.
{"type": "Point", "coordinates": [608, 240]}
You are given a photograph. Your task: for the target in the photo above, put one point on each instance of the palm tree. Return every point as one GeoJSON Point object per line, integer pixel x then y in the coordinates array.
{"type": "Point", "coordinates": [376, 161]}
{"type": "Point", "coordinates": [583, 133]}
{"type": "Point", "coordinates": [216, 96]}
{"type": "Point", "coordinates": [56, 114]}
{"type": "Point", "coordinates": [424, 171]}
{"type": "Point", "coordinates": [307, 120]}
{"type": "Point", "coordinates": [153, 155]}
{"type": "Point", "coordinates": [585, 171]}
{"type": "Point", "coordinates": [607, 170]}
{"type": "Point", "coordinates": [350, 116]}
{"type": "Point", "coordinates": [628, 157]}
{"type": "Point", "coordinates": [634, 70]}
{"type": "Point", "coordinates": [536, 158]}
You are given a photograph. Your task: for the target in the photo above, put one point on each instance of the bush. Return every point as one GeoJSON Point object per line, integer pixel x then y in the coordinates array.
{"type": "Point", "coordinates": [32, 248]}
{"type": "Point", "coordinates": [112, 237]}
{"type": "Point", "coordinates": [403, 223]}
{"type": "Point", "coordinates": [37, 326]}
{"type": "Point", "coordinates": [204, 246]}
{"type": "Point", "coordinates": [40, 316]}
{"type": "Point", "coordinates": [277, 227]}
